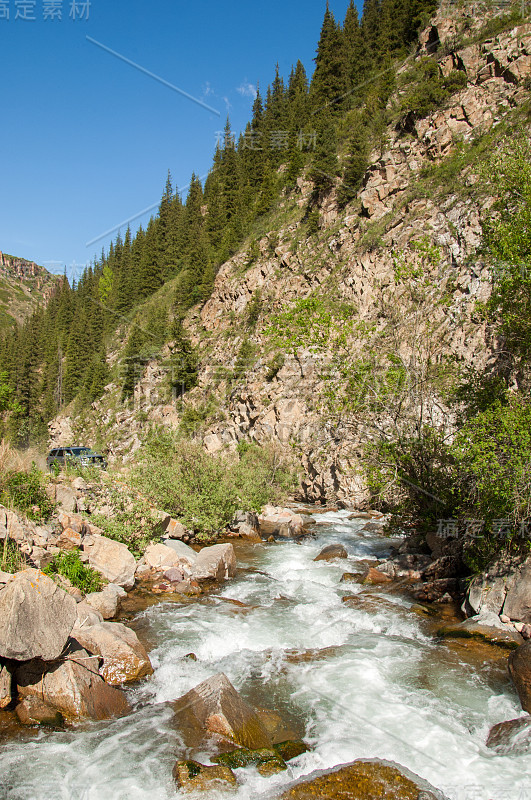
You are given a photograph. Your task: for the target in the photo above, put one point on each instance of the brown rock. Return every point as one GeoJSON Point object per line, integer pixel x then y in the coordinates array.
{"type": "Point", "coordinates": [511, 738]}
{"type": "Point", "coordinates": [193, 776]}
{"type": "Point", "coordinates": [363, 780]}
{"type": "Point", "coordinates": [376, 577]}
{"type": "Point", "coordinates": [124, 658]}
{"type": "Point", "coordinates": [520, 672]}
{"type": "Point", "coordinates": [72, 686]}
{"type": "Point", "coordinates": [276, 728]}
{"type": "Point", "coordinates": [332, 551]}
{"type": "Point", "coordinates": [517, 604]}
{"type": "Point", "coordinates": [106, 602]}
{"type": "Point", "coordinates": [32, 710]}
{"type": "Point", "coordinates": [36, 617]}
{"type": "Point", "coordinates": [215, 706]}
{"type": "Point", "coordinates": [69, 539]}
{"type": "Point", "coordinates": [474, 629]}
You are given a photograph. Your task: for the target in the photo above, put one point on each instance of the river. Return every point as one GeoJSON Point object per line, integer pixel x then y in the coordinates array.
{"type": "Point", "coordinates": [384, 688]}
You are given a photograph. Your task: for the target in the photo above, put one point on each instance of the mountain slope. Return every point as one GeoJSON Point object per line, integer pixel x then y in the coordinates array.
{"type": "Point", "coordinates": [23, 286]}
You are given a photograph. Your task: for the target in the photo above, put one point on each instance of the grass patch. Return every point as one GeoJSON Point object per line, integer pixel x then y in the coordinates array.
{"type": "Point", "coordinates": [11, 559]}
{"type": "Point", "coordinates": [70, 566]}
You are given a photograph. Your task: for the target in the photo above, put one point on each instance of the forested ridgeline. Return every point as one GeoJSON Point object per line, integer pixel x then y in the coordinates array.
{"type": "Point", "coordinates": [324, 128]}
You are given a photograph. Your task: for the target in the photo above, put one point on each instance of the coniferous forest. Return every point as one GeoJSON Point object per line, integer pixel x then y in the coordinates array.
{"type": "Point", "coordinates": [297, 125]}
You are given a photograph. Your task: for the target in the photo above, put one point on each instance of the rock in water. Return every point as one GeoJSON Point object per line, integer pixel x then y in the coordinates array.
{"type": "Point", "coordinates": [520, 672]}
{"type": "Point", "coordinates": [511, 738]}
{"type": "Point", "coordinates": [124, 658]}
{"type": "Point", "coordinates": [36, 617]}
{"type": "Point", "coordinates": [72, 686]}
{"type": "Point", "coordinates": [5, 685]}
{"type": "Point", "coordinates": [363, 780]}
{"type": "Point", "coordinates": [332, 551]}
{"type": "Point", "coordinates": [215, 706]}
{"type": "Point", "coordinates": [215, 563]}
{"type": "Point", "coordinates": [191, 775]}
{"type": "Point", "coordinates": [112, 559]}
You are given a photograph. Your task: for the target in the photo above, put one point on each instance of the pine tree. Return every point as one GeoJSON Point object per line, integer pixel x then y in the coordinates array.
{"type": "Point", "coordinates": [329, 86]}
{"type": "Point", "coordinates": [325, 165]}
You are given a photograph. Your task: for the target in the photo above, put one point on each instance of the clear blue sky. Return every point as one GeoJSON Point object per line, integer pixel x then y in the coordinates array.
{"type": "Point", "coordinates": [86, 139]}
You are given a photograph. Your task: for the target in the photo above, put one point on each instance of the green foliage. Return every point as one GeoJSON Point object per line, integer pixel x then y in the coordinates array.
{"type": "Point", "coordinates": [493, 451]}
{"type": "Point", "coordinates": [205, 491]}
{"type": "Point", "coordinates": [25, 491]}
{"type": "Point", "coordinates": [133, 522]}
{"type": "Point", "coordinates": [274, 366]}
{"type": "Point", "coordinates": [428, 89]}
{"type": "Point", "coordinates": [244, 360]}
{"type": "Point", "coordinates": [254, 309]}
{"type": "Point", "coordinates": [313, 323]}
{"type": "Point", "coordinates": [70, 566]}
{"type": "Point", "coordinates": [11, 559]}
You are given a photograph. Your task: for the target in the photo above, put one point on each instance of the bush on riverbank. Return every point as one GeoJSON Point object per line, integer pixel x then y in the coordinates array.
{"type": "Point", "coordinates": [177, 475]}
{"type": "Point", "coordinates": [25, 491]}
{"type": "Point", "coordinates": [70, 566]}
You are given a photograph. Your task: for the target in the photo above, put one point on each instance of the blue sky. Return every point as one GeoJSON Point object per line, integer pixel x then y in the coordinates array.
{"type": "Point", "coordinates": [86, 139]}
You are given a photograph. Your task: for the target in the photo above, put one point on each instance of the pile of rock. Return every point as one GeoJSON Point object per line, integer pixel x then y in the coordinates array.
{"type": "Point", "coordinates": [58, 660]}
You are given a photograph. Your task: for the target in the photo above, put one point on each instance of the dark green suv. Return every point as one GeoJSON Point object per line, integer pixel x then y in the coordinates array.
{"type": "Point", "coordinates": [75, 456]}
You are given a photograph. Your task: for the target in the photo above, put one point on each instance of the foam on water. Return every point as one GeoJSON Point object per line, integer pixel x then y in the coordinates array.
{"type": "Point", "coordinates": [382, 689]}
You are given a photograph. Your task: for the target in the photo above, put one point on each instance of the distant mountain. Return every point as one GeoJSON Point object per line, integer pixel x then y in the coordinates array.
{"type": "Point", "coordinates": [23, 286]}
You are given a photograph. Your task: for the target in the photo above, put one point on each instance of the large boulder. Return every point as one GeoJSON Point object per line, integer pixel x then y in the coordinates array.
{"type": "Point", "coordinates": [36, 617]}
{"type": "Point", "coordinates": [71, 686]}
{"type": "Point", "coordinates": [215, 563]}
{"type": "Point", "coordinates": [5, 684]}
{"type": "Point", "coordinates": [111, 559]}
{"type": "Point", "coordinates": [87, 615]}
{"type": "Point", "coordinates": [487, 628]}
{"type": "Point", "coordinates": [124, 658]}
{"type": "Point", "coordinates": [332, 551]}
{"type": "Point", "coordinates": [363, 780]}
{"type": "Point", "coordinates": [215, 707]}
{"type": "Point", "coordinates": [520, 672]}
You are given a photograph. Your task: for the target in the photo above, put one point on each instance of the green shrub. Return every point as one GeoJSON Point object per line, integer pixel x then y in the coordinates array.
{"type": "Point", "coordinates": [132, 523]}
{"type": "Point", "coordinates": [204, 492]}
{"type": "Point", "coordinates": [11, 559]}
{"type": "Point", "coordinates": [25, 491]}
{"type": "Point", "coordinates": [70, 566]}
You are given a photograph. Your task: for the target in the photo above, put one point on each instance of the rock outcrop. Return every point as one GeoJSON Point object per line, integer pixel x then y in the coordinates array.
{"type": "Point", "coordinates": [36, 617]}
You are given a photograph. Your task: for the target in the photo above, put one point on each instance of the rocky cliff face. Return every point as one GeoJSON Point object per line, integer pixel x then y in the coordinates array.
{"type": "Point", "coordinates": [401, 260]}
{"type": "Point", "coordinates": [23, 286]}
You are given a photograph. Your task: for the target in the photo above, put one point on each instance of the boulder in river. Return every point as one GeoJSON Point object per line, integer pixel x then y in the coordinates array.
{"type": "Point", "coordinates": [215, 706]}
{"type": "Point", "coordinates": [111, 559]}
{"type": "Point", "coordinates": [267, 762]}
{"type": "Point", "coordinates": [332, 551]}
{"type": "Point", "coordinates": [485, 628]}
{"type": "Point", "coordinates": [363, 780]}
{"type": "Point", "coordinates": [215, 563]}
{"type": "Point", "coordinates": [193, 776]}
{"type": "Point", "coordinates": [36, 617]}
{"type": "Point", "coordinates": [72, 686]}
{"type": "Point", "coordinates": [520, 672]}
{"type": "Point", "coordinates": [124, 657]}
{"type": "Point", "coordinates": [511, 738]}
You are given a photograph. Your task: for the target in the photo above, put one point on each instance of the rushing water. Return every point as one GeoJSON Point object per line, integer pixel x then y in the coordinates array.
{"type": "Point", "coordinates": [383, 689]}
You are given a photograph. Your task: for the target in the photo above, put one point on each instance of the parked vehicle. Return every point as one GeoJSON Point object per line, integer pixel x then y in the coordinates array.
{"type": "Point", "coordinates": [75, 456]}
